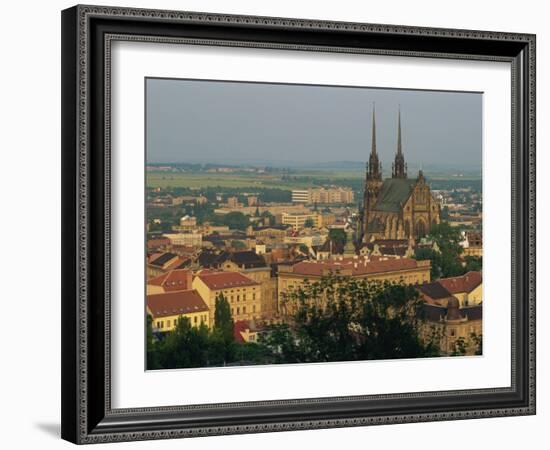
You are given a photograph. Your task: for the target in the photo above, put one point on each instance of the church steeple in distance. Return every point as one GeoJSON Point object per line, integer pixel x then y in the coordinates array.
{"type": "Point", "coordinates": [399, 168]}
{"type": "Point", "coordinates": [374, 168]}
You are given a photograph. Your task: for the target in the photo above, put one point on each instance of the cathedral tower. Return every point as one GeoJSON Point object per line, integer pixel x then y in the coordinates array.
{"type": "Point", "coordinates": [373, 179]}
{"type": "Point", "coordinates": [399, 167]}
{"type": "Point", "coordinates": [374, 168]}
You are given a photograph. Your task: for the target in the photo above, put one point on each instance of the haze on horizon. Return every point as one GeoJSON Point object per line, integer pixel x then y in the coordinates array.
{"type": "Point", "coordinates": [278, 124]}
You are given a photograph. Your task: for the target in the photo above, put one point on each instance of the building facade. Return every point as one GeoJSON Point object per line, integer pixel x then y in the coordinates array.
{"type": "Point", "coordinates": [299, 220]}
{"type": "Point", "coordinates": [169, 307]}
{"type": "Point", "coordinates": [243, 294]}
{"type": "Point", "coordinates": [335, 194]}
{"type": "Point", "coordinates": [398, 207]}
{"type": "Point", "coordinates": [455, 327]}
{"type": "Point", "coordinates": [403, 270]}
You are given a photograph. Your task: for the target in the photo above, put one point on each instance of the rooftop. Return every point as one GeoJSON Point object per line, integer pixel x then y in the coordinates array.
{"type": "Point", "coordinates": [394, 193]}
{"type": "Point", "coordinates": [358, 266]}
{"type": "Point", "coordinates": [175, 280]}
{"type": "Point", "coordinates": [175, 303]}
{"type": "Point", "coordinates": [223, 280]}
{"type": "Point", "coordinates": [160, 260]}
{"type": "Point", "coordinates": [465, 283]}
{"type": "Point", "coordinates": [434, 290]}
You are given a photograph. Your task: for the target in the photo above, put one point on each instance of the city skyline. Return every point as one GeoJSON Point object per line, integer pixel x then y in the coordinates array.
{"type": "Point", "coordinates": [308, 125]}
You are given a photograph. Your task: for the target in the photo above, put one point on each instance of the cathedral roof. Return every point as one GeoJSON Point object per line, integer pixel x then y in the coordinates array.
{"type": "Point", "coordinates": [393, 194]}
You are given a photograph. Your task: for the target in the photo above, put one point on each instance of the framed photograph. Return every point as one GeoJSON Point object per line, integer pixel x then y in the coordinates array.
{"type": "Point", "coordinates": [280, 224]}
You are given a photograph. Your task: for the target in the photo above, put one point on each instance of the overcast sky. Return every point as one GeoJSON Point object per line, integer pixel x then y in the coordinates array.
{"type": "Point", "coordinates": [259, 123]}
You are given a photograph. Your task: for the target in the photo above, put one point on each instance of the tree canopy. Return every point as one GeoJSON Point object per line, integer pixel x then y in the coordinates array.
{"type": "Point", "coordinates": [344, 319]}
{"type": "Point", "coordinates": [235, 220]}
{"type": "Point", "coordinates": [337, 236]}
{"type": "Point", "coordinates": [447, 261]}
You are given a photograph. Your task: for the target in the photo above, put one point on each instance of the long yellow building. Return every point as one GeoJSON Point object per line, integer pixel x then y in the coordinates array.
{"type": "Point", "coordinates": [406, 270]}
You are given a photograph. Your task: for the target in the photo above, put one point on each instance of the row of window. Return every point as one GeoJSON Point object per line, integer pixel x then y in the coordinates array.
{"type": "Point", "coordinates": [231, 298]}
{"type": "Point", "coordinates": [238, 309]}
{"type": "Point", "coordinates": [160, 323]}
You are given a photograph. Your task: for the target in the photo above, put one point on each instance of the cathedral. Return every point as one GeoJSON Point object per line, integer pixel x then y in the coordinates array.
{"type": "Point", "coordinates": [398, 207]}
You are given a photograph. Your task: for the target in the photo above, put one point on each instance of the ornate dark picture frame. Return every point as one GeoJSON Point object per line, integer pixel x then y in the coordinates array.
{"type": "Point", "coordinates": [87, 33]}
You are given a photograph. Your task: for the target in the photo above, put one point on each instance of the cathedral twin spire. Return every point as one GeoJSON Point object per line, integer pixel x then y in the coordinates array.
{"type": "Point", "coordinates": [399, 167]}
{"type": "Point", "coordinates": [374, 167]}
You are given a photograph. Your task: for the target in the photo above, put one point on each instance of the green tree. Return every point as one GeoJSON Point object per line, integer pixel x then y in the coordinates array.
{"type": "Point", "coordinates": [337, 236]}
{"type": "Point", "coordinates": [236, 220]}
{"type": "Point", "coordinates": [152, 354]}
{"type": "Point", "coordinates": [459, 347]}
{"type": "Point", "coordinates": [342, 319]}
{"type": "Point", "coordinates": [446, 262]}
{"type": "Point", "coordinates": [222, 317]}
{"type": "Point", "coordinates": [309, 223]}
{"type": "Point", "coordinates": [477, 340]}
{"type": "Point", "coordinates": [239, 245]}
{"type": "Point", "coordinates": [223, 326]}
{"type": "Point", "coordinates": [473, 263]}
{"type": "Point", "coordinates": [448, 238]}
{"type": "Point", "coordinates": [269, 219]}
{"type": "Point", "coordinates": [185, 346]}
{"type": "Point", "coordinates": [428, 253]}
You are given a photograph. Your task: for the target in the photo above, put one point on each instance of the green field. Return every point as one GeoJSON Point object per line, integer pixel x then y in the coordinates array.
{"type": "Point", "coordinates": [244, 180]}
{"type": "Point", "coordinates": [293, 180]}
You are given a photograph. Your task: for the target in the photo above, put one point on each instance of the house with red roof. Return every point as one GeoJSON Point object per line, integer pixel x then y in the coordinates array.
{"type": "Point", "coordinates": [243, 294]}
{"type": "Point", "coordinates": [467, 288]}
{"type": "Point", "coordinates": [173, 281]}
{"type": "Point", "coordinates": [169, 307]}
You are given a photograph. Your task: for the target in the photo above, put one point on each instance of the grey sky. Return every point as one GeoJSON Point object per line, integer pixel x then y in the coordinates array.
{"type": "Point", "coordinates": [257, 123]}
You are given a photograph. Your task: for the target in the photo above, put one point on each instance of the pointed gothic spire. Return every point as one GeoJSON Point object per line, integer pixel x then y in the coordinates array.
{"type": "Point", "coordinates": [399, 149]}
{"type": "Point", "coordinates": [374, 169]}
{"type": "Point", "coordinates": [373, 144]}
{"type": "Point", "coordinates": [399, 169]}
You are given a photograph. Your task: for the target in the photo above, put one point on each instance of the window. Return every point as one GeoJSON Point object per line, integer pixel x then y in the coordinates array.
{"type": "Point", "coordinates": [158, 323]}
{"type": "Point", "coordinates": [253, 308]}
{"type": "Point", "coordinates": [238, 297]}
{"type": "Point", "coordinates": [231, 311]}
{"type": "Point", "coordinates": [195, 319]}
{"type": "Point", "coordinates": [244, 309]}
{"type": "Point", "coordinates": [238, 310]}
{"type": "Point", "coordinates": [254, 296]}
{"type": "Point", "coordinates": [168, 323]}
{"type": "Point", "coordinates": [231, 298]}
{"type": "Point", "coordinates": [244, 297]}
{"type": "Point", "coordinates": [452, 332]}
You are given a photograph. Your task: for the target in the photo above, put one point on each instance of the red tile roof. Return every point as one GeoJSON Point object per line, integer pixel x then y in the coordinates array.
{"type": "Point", "coordinates": [177, 264]}
{"type": "Point", "coordinates": [238, 327]}
{"type": "Point", "coordinates": [465, 283]}
{"type": "Point", "coordinates": [224, 280]}
{"type": "Point", "coordinates": [175, 303]}
{"type": "Point", "coordinates": [175, 280]}
{"type": "Point", "coordinates": [358, 266]}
